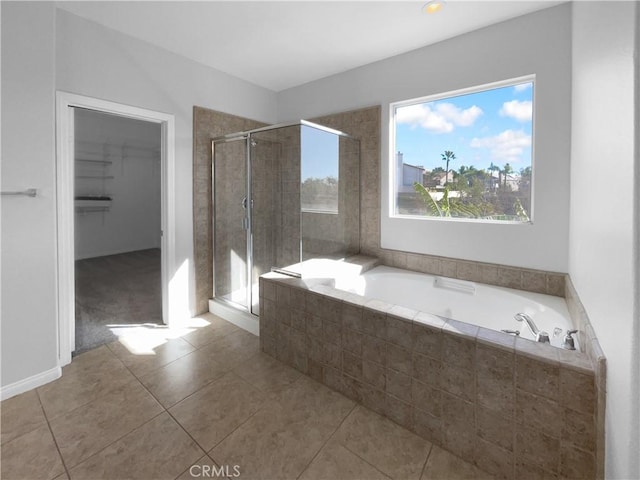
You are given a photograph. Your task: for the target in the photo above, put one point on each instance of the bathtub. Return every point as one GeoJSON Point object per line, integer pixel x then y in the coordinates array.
{"type": "Point", "coordinates": [475, 303]}
{"type": "Point", "coordinates": [467, 388]}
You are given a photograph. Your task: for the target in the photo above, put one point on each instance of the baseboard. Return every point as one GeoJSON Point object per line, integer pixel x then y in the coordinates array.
{"type": "Point", "coordinates": [30, 383]}
{"type": "Point", "coordinates": [239, 318]}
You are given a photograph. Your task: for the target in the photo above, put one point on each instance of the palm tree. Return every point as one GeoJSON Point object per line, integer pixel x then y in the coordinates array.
{"type": "Point", "coordinates": [492, 168]}
{"type": "Point", "coordinates": [506, 170]}
{"type": "Point", "coordinates": [447, 156]}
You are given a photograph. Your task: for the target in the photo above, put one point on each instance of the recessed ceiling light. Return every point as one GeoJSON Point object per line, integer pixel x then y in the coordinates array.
{"type": "Point", "coordinates": [433, 6]}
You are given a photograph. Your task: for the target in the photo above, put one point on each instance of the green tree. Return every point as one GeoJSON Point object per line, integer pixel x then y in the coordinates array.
{"type": "Point", "coordinates": [507, 170]}
{"type": "Point", "coordinates": [447, 156]}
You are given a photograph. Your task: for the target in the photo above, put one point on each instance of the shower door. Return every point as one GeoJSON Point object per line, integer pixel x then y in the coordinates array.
{"type": "Point", "coordinates": [230, 229]}
{"type": "Point", "coordinates": [260, 221]}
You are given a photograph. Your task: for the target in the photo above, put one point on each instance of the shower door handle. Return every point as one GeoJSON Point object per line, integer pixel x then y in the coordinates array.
{"type": "Point", "coordinates": [244, 203]}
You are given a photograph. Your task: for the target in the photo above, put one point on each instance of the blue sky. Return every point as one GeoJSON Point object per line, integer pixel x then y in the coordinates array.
{"type": "Point", "coordinates": [319, 153]}
{"type": "Point", "coordinates": [480, 128]}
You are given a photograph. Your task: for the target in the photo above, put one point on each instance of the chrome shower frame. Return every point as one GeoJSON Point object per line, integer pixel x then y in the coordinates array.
{"type": "Point", "coordinates": [248, 203]}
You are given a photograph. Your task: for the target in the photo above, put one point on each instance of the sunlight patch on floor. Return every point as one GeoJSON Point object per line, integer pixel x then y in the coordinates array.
{"type": "Point", "coordinates": [144, 338]}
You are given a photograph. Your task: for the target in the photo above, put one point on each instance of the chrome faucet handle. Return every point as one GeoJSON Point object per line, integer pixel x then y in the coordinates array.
{"type": "Point", "coordinates": [542, 337]}
{"type": "Point", "coordinates": [569, 343]}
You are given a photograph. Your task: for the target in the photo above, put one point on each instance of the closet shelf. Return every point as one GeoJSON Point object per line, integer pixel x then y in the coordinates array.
{"type": "Point", "coordinates": [92, 201]}
{"type": "Point", "coordinates": [96, 176]}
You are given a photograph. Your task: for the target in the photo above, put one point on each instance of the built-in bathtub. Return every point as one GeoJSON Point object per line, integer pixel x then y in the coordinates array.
{"type": "Point", "coordinates": [514, 407]}
{"type": "Point", "coordinates": [487, 306]}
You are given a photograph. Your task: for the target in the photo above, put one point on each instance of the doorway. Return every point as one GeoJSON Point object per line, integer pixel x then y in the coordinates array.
{"type": "Point", "coordinates": [117, 203]}
{"type": "Point", "coordinates": [86, 198]}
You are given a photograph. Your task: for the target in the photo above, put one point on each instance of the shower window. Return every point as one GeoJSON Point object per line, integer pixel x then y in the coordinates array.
{"type": "Point", "coordinates": [319, 188]}
{"type": "Point", "coordinates": [465, 154]}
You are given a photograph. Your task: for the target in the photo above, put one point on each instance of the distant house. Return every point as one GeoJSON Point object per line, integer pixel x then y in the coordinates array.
{"type": "Point", "coordinates": [438, 179]}
{"type": "Point", "coordinates": [407, 175]}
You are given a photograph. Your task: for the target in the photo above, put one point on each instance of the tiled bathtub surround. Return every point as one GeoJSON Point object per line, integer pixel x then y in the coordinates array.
{"type": "Point", "coordinates": [591, 346]}
{"type": "Point", "coordinates": [515, 408]}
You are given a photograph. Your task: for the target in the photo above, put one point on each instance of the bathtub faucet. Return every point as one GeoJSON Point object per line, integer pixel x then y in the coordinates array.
{"type": "Point", "coordinates": [540, 335]}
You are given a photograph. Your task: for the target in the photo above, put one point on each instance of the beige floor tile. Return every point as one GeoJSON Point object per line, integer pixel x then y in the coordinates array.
{"type": "Point", "coordinates": [88, 377]}
{"type": "Point", "coordinates": [31, 456]}
{"type": "Point", "coordinates": [181, 378]}
{"type": "Point", "coordinates": [442, 464]}
{"type": "Point", "coordinates": [150, 359]}
{"type": "Point", "coordinates": [217, 329]}
{"type": "Point", "coordinates": [88, 429]}
{"type": "Point", "coordinates": [213, 412]}
{"type": "Point", "coordinates": [158, 450]}
{"type": "Point", "coordinates": [281, 439]}
{"type": "Point", "coordinates": [389, 447]}
{"type": "Point", "coordinates": [334, 462]}
{"type": "Point", "coordinates": [21, 414]}
{"type": "Point", "coordinates": [62, 476]}
{"type": "Point", "coordinates": [266, 373]}
{"type": "Point", "coordinates": [233, 349]}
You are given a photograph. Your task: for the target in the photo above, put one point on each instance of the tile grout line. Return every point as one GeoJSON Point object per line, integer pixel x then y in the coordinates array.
{"type": "Point", "coordinates": [135, 378]}
{"type": "Point", "coordinates": [64, 463]}
{"type": "Point", "coordinates": [426, 461]}
{"type": "Point", "coordinates": [117, 440]}
{"type": "Point", "coordinates": [248, 418]}
{"type": "Point", "coordinates": [329, 439]}
{"type": "Point", "coordinates": [366, 461]}
{"type": "Point", "coordinates": [55, 441]}
{"type": "Point", "coordinates": [166, 409]}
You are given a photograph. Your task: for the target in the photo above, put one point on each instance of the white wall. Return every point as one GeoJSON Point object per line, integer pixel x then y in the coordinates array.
{"type": "Point", "coordinates": [539, 43]}
{"type": "Point", "coordinates": [44, 49]}
{"type": "Point", "coordinates": [133, 219]}
{"type": "Point", "coordinates": [604, 242]}
{"type": "Point", "coordinates": [28, 312]}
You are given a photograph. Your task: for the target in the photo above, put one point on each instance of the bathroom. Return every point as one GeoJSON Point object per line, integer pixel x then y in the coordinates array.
{"type": "Point", "coordinates": [573, 234]}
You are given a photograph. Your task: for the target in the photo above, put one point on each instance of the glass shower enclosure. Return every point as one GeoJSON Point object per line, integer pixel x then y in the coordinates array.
{"type": "Point", "coordinates": [281, 195]}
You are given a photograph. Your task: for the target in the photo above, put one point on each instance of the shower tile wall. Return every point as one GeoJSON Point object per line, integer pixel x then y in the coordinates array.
{"type": "Point", "coordinates": [230, 254]}
{"type": "Point", "coordinates": [276, 209]}
{"type": "Point", "coordinates": [207, 124]}
{"type": "Point", "coordinates": [266, 154]}
{"type": "Point", "coordinates": [364, 125]}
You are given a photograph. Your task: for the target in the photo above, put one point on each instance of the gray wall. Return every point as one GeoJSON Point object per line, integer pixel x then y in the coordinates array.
{"type": "Point", "coordinates": [29, 283]}
{"type": "Point", "coordinates": [604, 238]}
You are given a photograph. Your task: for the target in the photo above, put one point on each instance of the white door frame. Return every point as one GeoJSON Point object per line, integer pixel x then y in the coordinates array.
{"type": "Point", "coordinates": [65, 205]}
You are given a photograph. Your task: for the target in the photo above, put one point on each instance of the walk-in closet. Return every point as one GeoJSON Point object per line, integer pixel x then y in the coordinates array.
{"type": "Point", "coordinates": [117, 227]}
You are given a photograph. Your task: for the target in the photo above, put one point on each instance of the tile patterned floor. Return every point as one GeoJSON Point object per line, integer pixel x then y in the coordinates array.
{"type": "Point", "coordinates": [201, 404]}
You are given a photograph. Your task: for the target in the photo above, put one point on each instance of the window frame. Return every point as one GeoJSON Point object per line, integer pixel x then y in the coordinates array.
{"type": "Point", "coordinates": [393, 180]}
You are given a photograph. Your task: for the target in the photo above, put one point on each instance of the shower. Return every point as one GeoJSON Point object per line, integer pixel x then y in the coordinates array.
{"type": "Point", "coordinates": [282, 195]}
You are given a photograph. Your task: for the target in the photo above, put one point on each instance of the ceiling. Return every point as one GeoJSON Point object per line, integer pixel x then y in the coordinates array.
{"type": "Point", "coordinates": [279, 45]}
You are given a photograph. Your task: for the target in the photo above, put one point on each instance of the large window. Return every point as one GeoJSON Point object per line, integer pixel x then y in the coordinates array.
{"type": "Point", "coordinates": [466, 155]}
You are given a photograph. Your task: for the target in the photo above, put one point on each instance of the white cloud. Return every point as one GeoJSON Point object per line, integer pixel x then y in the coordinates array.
{"type": "Point", "coordinates": [521, 111]}
{"type": "Point", "coordinates": [461, 118]}
{"type": "Point", "coordinates": [522, 87]}
{"type": "Point", "coordinates": [442, 118]}
{"type": "Point", "coordinates": [508, 146]}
